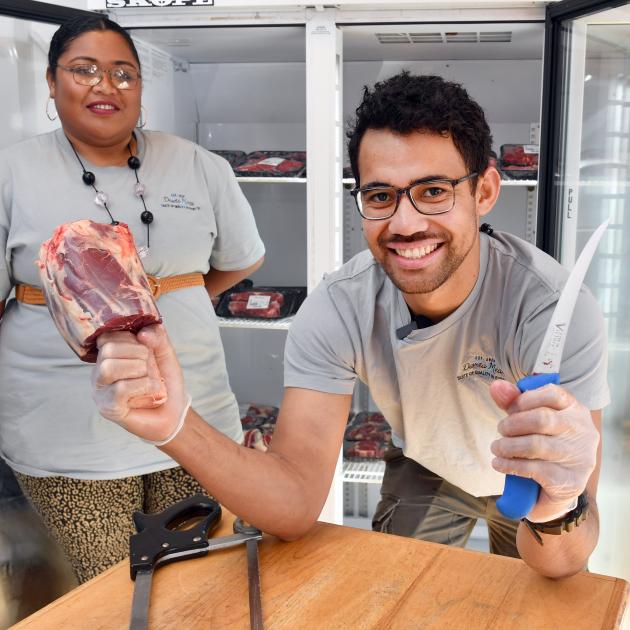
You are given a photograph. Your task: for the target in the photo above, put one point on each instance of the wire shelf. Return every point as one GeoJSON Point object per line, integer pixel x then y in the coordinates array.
{"type": "Point", "coordinates": [363, 472]}
{"type": "Point", "coordinates": [242, 322]}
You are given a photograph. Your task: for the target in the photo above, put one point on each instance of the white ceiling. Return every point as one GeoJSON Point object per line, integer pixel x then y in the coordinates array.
{"type": "Point", "coordinates": [360, 43]}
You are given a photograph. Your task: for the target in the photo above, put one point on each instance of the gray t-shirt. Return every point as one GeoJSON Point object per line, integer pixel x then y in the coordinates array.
{"type": "Point", "coordinates": [433, 385]}
{"type": "Point", "coordinates": [48, 421]}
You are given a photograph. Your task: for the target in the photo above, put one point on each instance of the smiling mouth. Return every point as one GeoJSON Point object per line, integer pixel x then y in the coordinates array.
{"type": "Point", "coordinates": [416, 253]}
{"type": "Point", "coordinates": [103, 107]}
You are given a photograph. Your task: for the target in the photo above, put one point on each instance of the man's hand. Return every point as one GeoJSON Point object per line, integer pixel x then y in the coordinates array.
{"type": "Point", "coordinates": [137, 382]}
{"type": "Point", "coordinates": [550, 437]}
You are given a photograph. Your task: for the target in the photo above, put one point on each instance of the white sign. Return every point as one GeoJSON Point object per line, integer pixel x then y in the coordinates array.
{"type": "Point", "coordinates": [123, 4]}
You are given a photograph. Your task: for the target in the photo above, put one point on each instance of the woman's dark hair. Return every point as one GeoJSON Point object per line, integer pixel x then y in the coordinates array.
{"type": "Point", "coordinates": [406, 103]}
{"type": "Point", "coordinates": [75, 27]}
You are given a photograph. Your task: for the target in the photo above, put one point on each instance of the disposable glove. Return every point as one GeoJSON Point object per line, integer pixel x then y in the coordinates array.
{"type": "Point", "coordinates": [137, 382]}
{"type": "Point", "coordinates": [550, 437]}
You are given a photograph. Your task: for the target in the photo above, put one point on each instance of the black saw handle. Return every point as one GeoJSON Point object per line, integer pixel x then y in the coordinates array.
{"type": "Point", "coordinates": [158, 536]}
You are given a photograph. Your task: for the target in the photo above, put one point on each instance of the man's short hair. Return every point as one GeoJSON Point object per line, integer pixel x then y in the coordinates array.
{"type": "Point", "coordinates": [407, 103]}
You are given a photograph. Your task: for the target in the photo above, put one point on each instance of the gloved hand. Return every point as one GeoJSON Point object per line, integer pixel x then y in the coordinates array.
{"type": "Point", "coordinates": [550, 437]}
{"type": "Point", "coordinates": [137, 382]}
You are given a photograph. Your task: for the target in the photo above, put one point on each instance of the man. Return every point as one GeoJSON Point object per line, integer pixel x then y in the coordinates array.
{"type": "Point", "coordinates": [439, 320]}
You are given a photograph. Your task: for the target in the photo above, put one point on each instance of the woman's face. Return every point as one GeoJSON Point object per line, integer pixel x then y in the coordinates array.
{"type": "Point", "coordinates": [101, 115]}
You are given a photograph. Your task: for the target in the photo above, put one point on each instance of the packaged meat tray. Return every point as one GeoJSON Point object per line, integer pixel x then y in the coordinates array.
{"type": "Point", "coordinates": [258, 423]}
{"type": "Point", "coordinates": [243, 284]}
{"type": "Point", "coordinates": [273, 164]}
{"type": "Point", "coordinates": [235, 158]}
{"type": "Point", "coordinates": [519, 161]}
{"type": "Point", "coordinates": [367, 436]}
{"type": "Point", "coordinates": [261, 302]}
{"type": "Point", "coordinates": [364, 449]}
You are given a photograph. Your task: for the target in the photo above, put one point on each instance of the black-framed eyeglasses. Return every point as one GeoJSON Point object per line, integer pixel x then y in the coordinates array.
{"type": "Point", "coordinates": [121, 77]}
{"type": "Point", "coordinates": [436, 196]}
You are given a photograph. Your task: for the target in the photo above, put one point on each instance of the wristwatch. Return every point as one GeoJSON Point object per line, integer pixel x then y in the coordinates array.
{"type": "Point", "coordinates": [558, 526]}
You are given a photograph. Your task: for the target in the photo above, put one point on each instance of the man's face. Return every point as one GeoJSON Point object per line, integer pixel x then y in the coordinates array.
{"type": "Point", "coordinates": [423, 255]}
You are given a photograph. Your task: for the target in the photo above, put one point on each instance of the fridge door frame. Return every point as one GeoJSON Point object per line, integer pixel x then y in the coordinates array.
{"type": "Point", "coordinates": [551, 213]}
{"type": "Point", "coordinates": [41, 11]}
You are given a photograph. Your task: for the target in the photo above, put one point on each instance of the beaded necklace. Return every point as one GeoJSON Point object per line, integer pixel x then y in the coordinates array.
{"type": "Point", "coordinates": [101, 198]}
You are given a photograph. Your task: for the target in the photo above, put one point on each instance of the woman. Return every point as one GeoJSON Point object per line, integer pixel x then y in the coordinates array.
{"type": "Point", "coordinates": [194, 230]}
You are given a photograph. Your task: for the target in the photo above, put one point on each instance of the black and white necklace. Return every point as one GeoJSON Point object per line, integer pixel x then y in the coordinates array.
{"type": "Point", "coordinates": [102, 198]}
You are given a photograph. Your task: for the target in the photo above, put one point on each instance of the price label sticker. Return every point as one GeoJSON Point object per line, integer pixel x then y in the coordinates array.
{"type": "Point", "coordinates": [258, 301]}
{"type": "Point", "coordinates": [272, 161]}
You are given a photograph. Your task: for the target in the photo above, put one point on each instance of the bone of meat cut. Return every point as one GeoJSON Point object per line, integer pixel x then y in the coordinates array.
{"type": "Point", "coordinates": [93, 282]}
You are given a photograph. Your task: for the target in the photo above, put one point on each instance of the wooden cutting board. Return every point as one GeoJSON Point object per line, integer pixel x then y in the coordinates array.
{"type": "Point", "coordinates": [340, 577]}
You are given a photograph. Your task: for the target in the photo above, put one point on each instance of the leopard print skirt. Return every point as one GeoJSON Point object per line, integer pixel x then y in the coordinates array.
{"type": "Point", "coordinates": [92, 519]}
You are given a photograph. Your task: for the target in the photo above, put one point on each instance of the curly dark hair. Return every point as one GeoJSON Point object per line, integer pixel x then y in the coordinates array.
{"type": "Point", "coordinates": [73, 28]}
{"type": "Point", "coordinates": [406, 103]}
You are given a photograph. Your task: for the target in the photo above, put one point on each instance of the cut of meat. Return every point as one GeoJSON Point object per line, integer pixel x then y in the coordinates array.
{"type": "Point", "coordinates": [256, 304]}
{"type": "Point", "coordinates": [94, 282]}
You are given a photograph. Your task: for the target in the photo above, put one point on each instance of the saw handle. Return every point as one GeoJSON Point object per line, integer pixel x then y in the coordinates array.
{"type": "Point", "coordinates": [158, 534]}
{"type": "Point", "coordinates": [521, 493]}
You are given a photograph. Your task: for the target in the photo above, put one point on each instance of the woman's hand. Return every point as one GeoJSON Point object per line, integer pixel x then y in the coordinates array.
{"type": "Point", "coordinates": [550, 437]}
{"type": "Point", "coordinates": [137, 382]}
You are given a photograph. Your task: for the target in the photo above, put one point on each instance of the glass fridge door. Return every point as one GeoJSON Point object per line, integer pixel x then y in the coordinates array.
{"type": "Point", "coordinates": [586, 179]}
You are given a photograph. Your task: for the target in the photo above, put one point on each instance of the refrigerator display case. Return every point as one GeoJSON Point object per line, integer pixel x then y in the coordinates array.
{"type": "Point", "coordinates": [235, 77]}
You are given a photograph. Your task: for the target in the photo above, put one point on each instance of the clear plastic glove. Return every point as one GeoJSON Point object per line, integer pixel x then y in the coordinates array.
{"type": "Point", "coordinates": [137, 382]}
{"type": "Point", "coordinates": [550, 437]}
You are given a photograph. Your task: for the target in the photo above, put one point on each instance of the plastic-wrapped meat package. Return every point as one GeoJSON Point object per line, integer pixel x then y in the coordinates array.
{"type": "Point", "coordinates": [519, 161]}
{"type": "Point", "coordinates": [273, 164]}
{"type": "Point", "coordinates": [260, 304]}
{"type": "Point", "coordinates": [367, 436]}
{"type": "Point", "coordinates": [93, 282]}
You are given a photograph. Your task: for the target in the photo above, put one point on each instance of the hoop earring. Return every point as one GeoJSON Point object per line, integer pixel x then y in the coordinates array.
{"type": "Point", "coordinates": [142, 121]}
{"type": "Point", "coordinates": [51, 118]}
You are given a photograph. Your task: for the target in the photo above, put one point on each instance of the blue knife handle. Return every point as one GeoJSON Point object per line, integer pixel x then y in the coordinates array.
{"type": "Point", "coordinates": [521, 493]}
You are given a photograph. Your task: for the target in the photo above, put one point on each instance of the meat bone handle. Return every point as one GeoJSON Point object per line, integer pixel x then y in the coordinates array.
{"type": "Point", "coordinates": [520, 493]}
{"type": "Point", "coordinates": [157, 536]}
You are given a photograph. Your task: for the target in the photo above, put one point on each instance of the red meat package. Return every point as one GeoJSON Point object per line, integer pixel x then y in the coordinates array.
{"type": "Point", "coordinates": [273, 164]}
{"type": "Point", "coordinates": [259, 303]}
{"type": "Point", "coordinates": [367, 436]}
{"type": "Point", "coordinates": [93, 282]}
{"type": "Point", "coordinates": [519, 161]}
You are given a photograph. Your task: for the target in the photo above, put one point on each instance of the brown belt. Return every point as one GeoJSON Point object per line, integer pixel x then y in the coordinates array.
{"type": "Point", "coordinates": [32, 295]}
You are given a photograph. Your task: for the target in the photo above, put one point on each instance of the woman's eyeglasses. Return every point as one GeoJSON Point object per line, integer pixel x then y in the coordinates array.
{"type": "Point", "coordinates": [121, 77]}
{"type": "Point", "coordinates": [429, 197]}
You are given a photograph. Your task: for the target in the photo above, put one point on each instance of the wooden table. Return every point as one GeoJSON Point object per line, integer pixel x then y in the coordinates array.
{"type": "Point", "coordinates": [339, 577]}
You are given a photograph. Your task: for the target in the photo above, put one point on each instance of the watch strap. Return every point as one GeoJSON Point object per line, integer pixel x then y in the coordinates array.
{"type": "Point", "coordinates": [558, 526]}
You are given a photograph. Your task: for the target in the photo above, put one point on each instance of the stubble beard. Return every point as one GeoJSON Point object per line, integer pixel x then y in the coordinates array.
{"type": "Point", "coordinates": [422, 281]}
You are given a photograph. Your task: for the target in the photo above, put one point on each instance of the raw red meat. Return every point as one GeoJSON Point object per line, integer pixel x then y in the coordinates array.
{"type": "Point", "coordinates": [519, 155]}
{"type": "Point", "coordinates": [265, 305]}
{"type": "Point", "coordinates": [372, 449]}
{"type": "Point", "coordinates": [93, 282]}
{"type": "Point", "coordinates": [273, 163]}
{"type": "Point", "coordinates": [244, 296]}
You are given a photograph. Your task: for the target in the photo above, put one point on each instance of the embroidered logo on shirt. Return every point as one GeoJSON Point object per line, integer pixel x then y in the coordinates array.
{"type": "Point", "coordinates": [178, 200]}
{"type": "Point", "coordinates": [481, 366]}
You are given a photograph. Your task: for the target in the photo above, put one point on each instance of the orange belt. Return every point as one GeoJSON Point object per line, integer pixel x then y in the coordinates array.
{"type": "Point", "coordinates": [32, 295]}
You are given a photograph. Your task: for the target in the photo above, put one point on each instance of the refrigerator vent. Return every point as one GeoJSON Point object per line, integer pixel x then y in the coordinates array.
{"type": "Point", "coordinates": [461, 38]}
{"type": "Point", "coordinates": [496, 36]}
{"type": "Point", "coordinates": [393, 38]}
{"type": "Point", "coordinates": [426, 38]}
{"type": "Point", "coordinates": [181, 43]}
{"type": "Point", "coordinates": [453, 37]}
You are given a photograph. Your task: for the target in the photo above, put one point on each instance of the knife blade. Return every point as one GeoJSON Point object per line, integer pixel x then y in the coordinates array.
{"type": "Point", "coordinates": [253, 572]}
{"type": "Point", "coordinates": [520, 493]}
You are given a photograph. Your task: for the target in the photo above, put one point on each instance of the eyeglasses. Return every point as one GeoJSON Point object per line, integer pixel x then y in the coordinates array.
{"type": "Point", "coordinates": [122, 78]}
{"type": "Point", "coordinates": [436, 196]}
